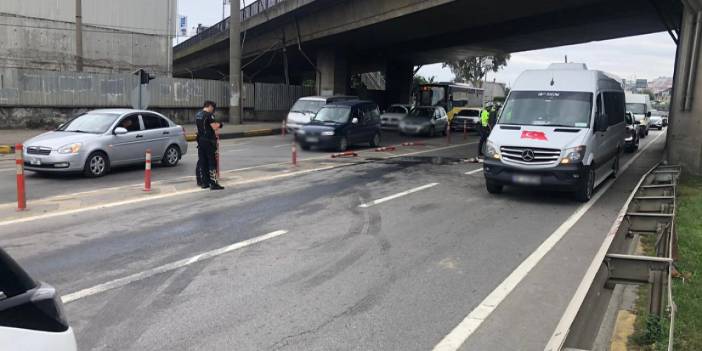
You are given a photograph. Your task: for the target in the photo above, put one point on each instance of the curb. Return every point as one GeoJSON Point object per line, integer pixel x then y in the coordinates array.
{"type": "Point", "coordinates": [7, 149]}
{"type": "Point", "coordinates": [236, 135]}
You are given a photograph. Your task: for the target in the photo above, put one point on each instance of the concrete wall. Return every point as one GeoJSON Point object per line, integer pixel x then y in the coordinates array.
{"type": "Point", "coordinates": [118, 36]}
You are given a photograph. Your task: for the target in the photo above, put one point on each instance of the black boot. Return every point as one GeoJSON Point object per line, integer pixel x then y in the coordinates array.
{"type": "Point", "coordinates": [214, 185]}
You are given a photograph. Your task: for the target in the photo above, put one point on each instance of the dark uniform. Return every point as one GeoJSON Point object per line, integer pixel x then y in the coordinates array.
{"type": "Point", "coordinates": [206, 172]}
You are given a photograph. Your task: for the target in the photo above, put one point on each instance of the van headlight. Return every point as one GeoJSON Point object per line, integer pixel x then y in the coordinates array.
{"type": "Point", "coordinates": [70, 148]}
{"type": "Point", "coordinates": [574, 155]}
{"type": "Point", "coordinates": [491, 150]}
{"type": "Point", "coordinates": [328, 133]}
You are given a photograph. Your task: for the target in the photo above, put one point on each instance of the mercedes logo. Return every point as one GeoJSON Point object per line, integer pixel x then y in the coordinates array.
{"type": "Point", "coordinates": [528, 155]}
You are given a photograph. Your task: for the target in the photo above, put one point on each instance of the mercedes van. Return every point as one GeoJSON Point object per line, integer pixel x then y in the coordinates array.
{"type": "Point", "coordinates": [640, 105]}
{"type": "Point", "coordinates": [561, 128]}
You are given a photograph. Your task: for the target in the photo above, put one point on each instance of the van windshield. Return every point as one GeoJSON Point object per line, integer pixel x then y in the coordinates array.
{"type": "Point", "coordinates": [553, 108]}
{"type": "Point", "coordinates": [638, 109]}
{"type": "Point", "coordinates": [333, 114]}
{"type": "Point", "coordinates": [307, 106]}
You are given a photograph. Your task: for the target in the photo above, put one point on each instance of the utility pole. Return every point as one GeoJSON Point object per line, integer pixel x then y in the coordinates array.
{"type": "Point", "coordinates": [235, 116]}
{"type": "Point", "coordinates": [79, 36]}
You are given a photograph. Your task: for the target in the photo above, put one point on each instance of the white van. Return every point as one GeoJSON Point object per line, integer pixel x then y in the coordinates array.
{"type": "Point", "coordinates": [306, 108]}
{"type": "Point", "coordinates": [561, 128]}
{"type": "Point", "coordinates": [640, 106]}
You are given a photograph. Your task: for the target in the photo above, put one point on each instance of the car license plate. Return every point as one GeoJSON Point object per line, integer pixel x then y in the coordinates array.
{"type": "Point", "coordinates": [312, 139]}
{"type": "Point", "coordinates": [526, 179]}
{"type": "Point", "coordinates": [35, 162]}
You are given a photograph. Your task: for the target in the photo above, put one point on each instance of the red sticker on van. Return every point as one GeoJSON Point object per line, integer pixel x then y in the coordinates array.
{"type": "Point", "coordinates": [526, 134]}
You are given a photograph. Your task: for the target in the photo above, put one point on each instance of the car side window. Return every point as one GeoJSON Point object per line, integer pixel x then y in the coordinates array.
{"type": "Point", "coordinates": [151, 121]}
{"type": "Point", "coordinates": [130, 123]}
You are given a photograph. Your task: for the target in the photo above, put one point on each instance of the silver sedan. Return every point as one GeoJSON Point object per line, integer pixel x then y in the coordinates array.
{"type": "Point", "coordinates": [98, 140]}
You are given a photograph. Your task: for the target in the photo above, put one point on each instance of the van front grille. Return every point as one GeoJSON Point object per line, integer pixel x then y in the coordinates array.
{"type": "Point", "coordinates": [530, 155]}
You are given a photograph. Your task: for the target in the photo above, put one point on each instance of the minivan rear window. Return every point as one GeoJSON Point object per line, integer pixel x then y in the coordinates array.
{"type": "Point", "coordinates": [547, 108]}
{"type": "Point", "coordinates": [468, 113]}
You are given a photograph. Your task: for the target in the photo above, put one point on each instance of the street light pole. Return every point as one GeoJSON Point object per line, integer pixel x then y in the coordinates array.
{"type": "Point", "coordinates": [235, 63]}
{"type": "Point", "coordinates": [79, 36]}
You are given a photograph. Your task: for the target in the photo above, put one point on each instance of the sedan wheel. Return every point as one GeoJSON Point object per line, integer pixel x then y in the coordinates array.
{"type": "Point", "coordinates": [171, 157]}
{"type": "Point", "coordinates": [96, 165]}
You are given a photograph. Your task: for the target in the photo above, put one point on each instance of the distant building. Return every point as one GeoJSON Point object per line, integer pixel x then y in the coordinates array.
{"type": "Point", "coordinates": [118, 36]}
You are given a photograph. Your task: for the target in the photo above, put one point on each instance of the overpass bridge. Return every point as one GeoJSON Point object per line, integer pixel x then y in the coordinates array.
{"type": "Point", "coordinates": [329, 41]}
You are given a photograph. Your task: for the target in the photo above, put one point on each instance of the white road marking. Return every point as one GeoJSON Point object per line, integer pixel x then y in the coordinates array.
{"type": "Point", "coordinates": [458, 336]}
{"type": "Point", "coordinates": [283, 145]}
{"type": "Point", "coordinates": [8, 170]}
{"type": "Point", "coordinates": [474, 171]}
{"type": "Point", "coordinates": [120, 282]}
{"type": "Point", "coordinates": [395, 196]}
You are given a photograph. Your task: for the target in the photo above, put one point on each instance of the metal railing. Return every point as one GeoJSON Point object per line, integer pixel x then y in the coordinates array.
{"type": "Point", "coordinates": [649, 211]}
{"type": "Point", "coordinates": [221, 27]}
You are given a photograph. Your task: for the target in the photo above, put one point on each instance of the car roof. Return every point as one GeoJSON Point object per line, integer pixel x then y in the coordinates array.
{"type": "Point", "coordinates": [120, 111]}
{"type": "Point", "coordinates": [349, 103]}
{"type": "Point", "coordinates": [325, 98]}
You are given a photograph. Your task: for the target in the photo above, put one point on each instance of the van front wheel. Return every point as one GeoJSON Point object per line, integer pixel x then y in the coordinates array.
{"type": "Point", "coordinates": [584, 192]}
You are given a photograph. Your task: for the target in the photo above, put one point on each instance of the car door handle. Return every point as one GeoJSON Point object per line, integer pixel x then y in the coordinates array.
{"type": "Point", "coordinates": [139, 136]}
{"type": "Point", "coordinates": [166, 133]}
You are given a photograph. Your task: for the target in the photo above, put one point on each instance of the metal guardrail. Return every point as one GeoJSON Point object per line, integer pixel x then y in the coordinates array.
{"type": "Point", "coordinates": [649, 210]}
{"type": "Point", "coordinates": [223, 26]}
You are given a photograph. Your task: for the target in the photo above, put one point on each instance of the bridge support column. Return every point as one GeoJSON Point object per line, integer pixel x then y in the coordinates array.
{"type": "Point", "coordinates": [333, 76]}
{"type": "Point", "coordinates": [684, 142]}
{"type": "Point", "coordinates": [398, 82]}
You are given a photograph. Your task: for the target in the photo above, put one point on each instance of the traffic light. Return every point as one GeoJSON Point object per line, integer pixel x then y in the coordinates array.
{"type": "Point", "coordinates": [144, 77]}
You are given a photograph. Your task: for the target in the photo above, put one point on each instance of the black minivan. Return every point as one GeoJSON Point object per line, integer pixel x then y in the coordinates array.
{"type": "Point", "coordinates": [341, 124]}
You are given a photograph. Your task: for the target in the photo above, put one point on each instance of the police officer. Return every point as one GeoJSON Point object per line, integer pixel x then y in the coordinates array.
{"type": "Point", "coordinates": [484, 129]}
{"type": "Point", "coordinates": [206, 172]}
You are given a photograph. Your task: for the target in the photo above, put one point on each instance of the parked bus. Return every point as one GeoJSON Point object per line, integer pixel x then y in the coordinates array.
{"type": "Point", "coordinates": [450, 96]}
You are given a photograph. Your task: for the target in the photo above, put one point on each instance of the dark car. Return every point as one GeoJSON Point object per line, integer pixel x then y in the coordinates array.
{"type": "Point", "coordinates": [338, 125]}
{"type": "Point", "coordinates": [631, 140]}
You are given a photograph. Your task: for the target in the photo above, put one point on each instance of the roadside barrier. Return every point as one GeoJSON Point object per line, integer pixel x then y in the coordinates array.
{"type": "Point", "coordinates": [147, 171]}
{"type": "Point", "coordinates": [465, 130]}
{"type": "Point", "coordinates": [19, 161]}
{"type": "Point", "coordinates": [385, 148]}
{"type": "Point", "coordinates": [294, 154]}
{"type": "Point", "coordinates": [344, 154]}
{"type": "Point", "coordinates": [413, 143]}
{"type": "Point", "coordinates": [285, 127]}
{"type": "Point", "coordinates": [448, 133]}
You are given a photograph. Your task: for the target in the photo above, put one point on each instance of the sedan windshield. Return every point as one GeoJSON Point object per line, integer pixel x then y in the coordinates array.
{"type": "Point", "coordinates": [562, 109]}
{"type": "Point", "coordinates": [422, 112]}
{"type": "Point", "coordinates": [638, 109]}
{"type": "Point", "coordinates": [307, 106]}
{"type": "Point", "coordinates": [92, 122]}
{"type": "Point", "coordinates": [333, 114]}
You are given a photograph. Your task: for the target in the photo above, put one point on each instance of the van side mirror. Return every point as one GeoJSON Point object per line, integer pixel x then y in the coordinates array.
{"type": "Point", "coordinates": [120, 131]}
{"type": "Point", "coordinates": [354, 120]}
{"type": "Point", "coordinates": [648, 114]}
{"type": "Point", "coordinates": [637, 122]}
{"type": "Point", "coordinates": [601, 123]}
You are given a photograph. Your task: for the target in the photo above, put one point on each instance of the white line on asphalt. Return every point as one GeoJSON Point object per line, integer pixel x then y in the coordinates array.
{"type": "Point", "coordinates": [458, 336]}
{"type": "Point", "coordinates": [8, 170]}
{"type": "Point", "coordinates": [120, 282]}
{"type": "Point", "coordinates": [474, 171]}
{"type": "Point", "coordinates": [282, 145]}
{"type": "Point", "coordinates": [395, 196]}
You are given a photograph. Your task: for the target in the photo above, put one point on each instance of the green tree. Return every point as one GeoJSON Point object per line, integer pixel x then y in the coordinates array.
{"type": "Point", "coordinates": [474, 69]}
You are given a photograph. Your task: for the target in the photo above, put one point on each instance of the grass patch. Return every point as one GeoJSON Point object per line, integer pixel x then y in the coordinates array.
{"type": "Point", "coordinates": [688, 294]}
{"type": "Point", "coordinates": [650, 331]}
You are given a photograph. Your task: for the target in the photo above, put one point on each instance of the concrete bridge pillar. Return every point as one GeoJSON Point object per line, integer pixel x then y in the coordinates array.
{"type": "Point", "coordinates": [684, 142]}
{"type": "Point", "coordinates": [333, 77]}
{"type": "Point", "coordinates": [398, 82]}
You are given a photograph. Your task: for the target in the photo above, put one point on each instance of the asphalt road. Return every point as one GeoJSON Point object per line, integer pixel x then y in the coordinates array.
{"type": "Point", "coordinates": [235, 154]}
{"type": "Point", "coordinates": [386, 255]}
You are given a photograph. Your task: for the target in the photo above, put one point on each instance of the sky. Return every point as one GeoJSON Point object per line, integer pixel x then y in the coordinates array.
{"type": "Point", "coordinates": [646, 56]}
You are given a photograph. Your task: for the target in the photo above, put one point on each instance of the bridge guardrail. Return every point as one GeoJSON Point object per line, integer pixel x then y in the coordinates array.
{"type": "Point", "coordinates": [649, 211]}
{"type": "Point", "coordinates": [249, 11]}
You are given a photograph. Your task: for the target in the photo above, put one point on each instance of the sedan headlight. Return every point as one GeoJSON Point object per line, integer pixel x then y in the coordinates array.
{"type": "Point", "coordinates": [301, 132]}
{"type": "Point", "coordinates": [492, 151]}
{"type": "Point", "coordinates": [328, 133]}
{"type": "Point", "coordinates": [574, 155]}
{"type": "Point", "coordinates": [70, 148]}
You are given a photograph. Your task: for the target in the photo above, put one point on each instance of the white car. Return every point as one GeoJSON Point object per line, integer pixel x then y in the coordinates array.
{"type": "Point", "coordinates": [31, 313]}
{"type": "Point", "coordinates": [390, 119]}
